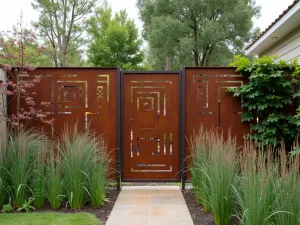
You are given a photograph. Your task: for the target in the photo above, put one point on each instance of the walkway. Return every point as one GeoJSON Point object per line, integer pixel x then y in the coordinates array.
{"type": "Point", "coordinates": [150, 205]}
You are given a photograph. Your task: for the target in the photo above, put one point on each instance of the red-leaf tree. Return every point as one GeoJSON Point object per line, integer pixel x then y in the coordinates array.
{"type": "Point", "coordinates": [17, 49]}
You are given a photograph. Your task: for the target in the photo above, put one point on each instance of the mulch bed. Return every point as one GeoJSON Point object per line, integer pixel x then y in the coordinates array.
{"type": "Point", "coordinates": [102, 213]}
{"type": "Point", "coordinates": [198, 215]}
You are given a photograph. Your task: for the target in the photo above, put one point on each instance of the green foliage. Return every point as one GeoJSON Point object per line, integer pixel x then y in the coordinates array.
{"type": "Point", "coordinates": [266, 97]}
{"type": "Point", "coordinates": [39, 181]}
{"type": "Point", "coordinates": [20, 156]}
{"type": "Point", "coordinates": [54, 182]}
{"type": "Point", "coordinates": [286, 207]}
{"type": "Point", "coordinates": [260, 185]}
{"type": "Point", "coordinates": [81, 153]}
{"type": "Point", "coordinates": [98, 179]}
{"type": "Point", "coordinates": [62, 25]}
{"type": "Point", "coordinates": [3, 176]}
{"type": "Point", "coordinates": [7, 207]}
{"type": "Point", "coordinates": [255, 194]}
{"type": "Point", "coordinates": [77, 171]}
{"type": "Point", "coordinates": [27, 205]}
{"type": "Point", "coordinates": [196, 33]}
{"type": "Point", "coordinates": [213, 171]}
{"type": "Point", "coordinates": [115, 40]}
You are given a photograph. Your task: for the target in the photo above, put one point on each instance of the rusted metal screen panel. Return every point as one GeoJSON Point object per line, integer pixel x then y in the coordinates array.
{"type": "Point", "coordinates": [209, 104]}
{"type": "Point", "coordinates": [151, 133]}
{"type": "Point", "coordinates": [83, 96]}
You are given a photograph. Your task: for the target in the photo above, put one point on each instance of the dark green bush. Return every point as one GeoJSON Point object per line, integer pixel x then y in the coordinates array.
{"type": "Point", "coordinates": [268, 98]}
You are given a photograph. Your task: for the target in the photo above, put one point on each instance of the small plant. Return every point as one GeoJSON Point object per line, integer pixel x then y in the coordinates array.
{"type": "Point", "coordinates": [200, 160]}
{"type": "Point", "coordinates": [213, 172]}
{"type": "Point", "coordinates": [39, 181]}
{"type": "Point", "coordinates": [27, 205]}
{"type": "Point", "coordinates": [20, 156]}
{"type": "Point", "coordinates": [8, 207]}
{"type": "Point", "coordinates": [254, 193]}
{"type": "Point", "coordinates": [54, 182]}
{"type": "Point", "coordinates": [222, 177]}
{"type": "Point", "coordinates": [85, 167]}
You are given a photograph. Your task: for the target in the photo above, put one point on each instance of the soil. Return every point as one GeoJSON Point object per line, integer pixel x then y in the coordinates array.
{"type": "Point", "coordinates": [198, 215]}
{"type": "Point", "coordinates": [102, 213]}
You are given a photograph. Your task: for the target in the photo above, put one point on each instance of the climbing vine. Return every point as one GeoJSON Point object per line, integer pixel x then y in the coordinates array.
{"type": "Point", "coordinates": [268, 98]}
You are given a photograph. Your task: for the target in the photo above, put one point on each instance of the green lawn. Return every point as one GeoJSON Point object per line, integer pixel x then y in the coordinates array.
{"type": "Point", "coordinates": [48, 218]}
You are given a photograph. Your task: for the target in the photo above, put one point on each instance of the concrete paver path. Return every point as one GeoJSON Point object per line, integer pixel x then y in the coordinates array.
{"type": "Point", "coordinates": [150, 205]}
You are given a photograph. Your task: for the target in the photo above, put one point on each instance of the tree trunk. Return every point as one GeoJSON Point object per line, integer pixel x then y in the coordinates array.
{"type": "Point", "coordinates": [168, 63]}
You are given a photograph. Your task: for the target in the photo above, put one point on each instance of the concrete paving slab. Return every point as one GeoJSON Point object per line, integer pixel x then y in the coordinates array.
{"type": "Point", "coordinates": [150, 205]}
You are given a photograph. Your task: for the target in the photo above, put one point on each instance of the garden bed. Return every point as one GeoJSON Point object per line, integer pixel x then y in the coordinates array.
{"type": "Point", "coordinates": [199, 217]}
{"type": "Point", "coordinates": [101, 214]}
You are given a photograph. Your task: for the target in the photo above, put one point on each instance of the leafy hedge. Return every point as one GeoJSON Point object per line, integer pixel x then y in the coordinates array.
{"type": "Point", "coordinates": [268, 98]}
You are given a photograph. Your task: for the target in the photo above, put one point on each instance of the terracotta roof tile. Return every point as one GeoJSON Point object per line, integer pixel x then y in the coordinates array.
{"type": "Point", "coordinates": [273, 23]}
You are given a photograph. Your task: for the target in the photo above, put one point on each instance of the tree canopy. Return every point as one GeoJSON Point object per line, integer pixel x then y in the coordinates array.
{"type": "Point", "coordinates": [115, 40]}
{"type": "Point", "coordinates": [61, 25]}
{"type": "Point", "coordinates": [196, 32]}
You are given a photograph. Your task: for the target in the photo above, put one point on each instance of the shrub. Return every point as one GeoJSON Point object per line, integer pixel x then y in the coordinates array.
{"type": "Point", "coordinates": [266, 97]}
{"type": "Point", "coordinates": [99, 175]}
{"type": "Point", "coordinates": [54, 181]}
{"type": "Point", "coordinates": [39, 176]}
{"type": "Point", "coordinates": [222, 177]}
{"type": "Point", "coordinates": [213, 172]}
{"type": "Point", "coordinates": [20, 155]}
{"type": "Point", "coordinates": [287, 205]}
{"type": "Point", "coordinates": [80, 151]}
{"type": "Point", "coordinates": [255, 194]}
{"type": "Point", "coordinates": [200, 144]}
{"type": "Point", "coordinates": [3, 175]}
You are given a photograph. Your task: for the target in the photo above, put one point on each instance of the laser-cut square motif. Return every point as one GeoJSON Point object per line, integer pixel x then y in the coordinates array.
{"type": "Point", "coordinates": [70, 97]}
{"type": "Point", "coordinates": [145, 104]}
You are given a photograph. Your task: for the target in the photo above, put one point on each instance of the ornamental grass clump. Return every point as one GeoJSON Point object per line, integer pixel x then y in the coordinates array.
{"type": "Point", "coordinates": [99, 174]}
{"type": "Point", "coordinates": [222, 176]}
{"type": "Point", "coordinates": [255, 195]}
{"type": "Point", "coordinates": [54, 181]}
{"type": "Point", "coordinates": [200, 145]}
{"type": "Point", "coordinates": [213, 169]}
{"type": "Point", "coordinates": [39, 179]}
{"type": "Point", "coordinates": [286, 209]}
{"type": "Point", "coordinates": [3, 174]}
{"type": "Point", "coordinates": [20, 155]}
{"type": "Point", "coordinates": [82, 167]}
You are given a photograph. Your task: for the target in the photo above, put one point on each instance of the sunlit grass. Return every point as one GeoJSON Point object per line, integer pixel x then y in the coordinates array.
{"type": "Point", "coordinates": [49, 219]}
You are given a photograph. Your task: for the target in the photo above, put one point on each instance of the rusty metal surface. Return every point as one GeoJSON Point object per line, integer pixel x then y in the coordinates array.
{"type": "Point", "coordinates": [208, 103]}
{"type": "Point", "coordinates": [82, 96]}
{"type": "Point", "coordinates": [151, 131]}
{"type": "Point", "coordinates": [150, 103]}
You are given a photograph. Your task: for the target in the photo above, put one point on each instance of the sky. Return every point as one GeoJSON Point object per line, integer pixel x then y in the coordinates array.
{"type": "Point", "coordinates": [10, 11]}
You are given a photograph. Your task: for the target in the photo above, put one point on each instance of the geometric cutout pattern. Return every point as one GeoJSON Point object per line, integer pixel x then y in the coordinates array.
{"type": "Point", "coordinates": [72, 95]}
{"type": "Point", "coordinates": [102, 90]}
{"type": "Point", "coordinates": [150, 148]}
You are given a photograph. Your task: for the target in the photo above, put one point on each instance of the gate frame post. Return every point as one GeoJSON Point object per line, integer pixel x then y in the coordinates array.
{"type": "Point", "coordinates": [182, 126]}
{"type": "Point", "coordinates": [119, 129]}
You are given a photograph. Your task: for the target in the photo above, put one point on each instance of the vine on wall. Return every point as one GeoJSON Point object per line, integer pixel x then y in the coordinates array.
{"type": "Point", "coordinates": [268, 98]}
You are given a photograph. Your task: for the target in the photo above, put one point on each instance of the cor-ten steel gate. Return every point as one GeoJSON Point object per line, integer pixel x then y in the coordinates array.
{"type": "Point", "coordinates": [145, 116]}
{"type": "Point", "coordinates": [151, 119]}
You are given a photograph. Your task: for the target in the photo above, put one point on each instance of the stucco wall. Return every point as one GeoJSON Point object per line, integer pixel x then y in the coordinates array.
{"type": "Point", "coordinates": [288, 48]}
{"type": "Point", "coordinates": [3, 127]}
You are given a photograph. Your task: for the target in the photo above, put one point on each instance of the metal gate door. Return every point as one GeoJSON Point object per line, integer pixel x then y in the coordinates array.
{"type": "Point", "coordinates": [151, 126]}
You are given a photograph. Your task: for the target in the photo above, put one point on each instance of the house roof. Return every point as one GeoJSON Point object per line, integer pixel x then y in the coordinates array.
{"type": "Point", "coordinates": [286, 14]}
